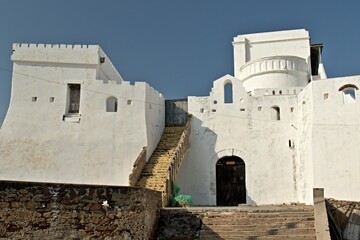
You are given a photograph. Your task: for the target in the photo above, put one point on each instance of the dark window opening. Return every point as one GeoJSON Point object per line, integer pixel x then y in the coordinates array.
{"type": "Point", "coordinates": [275, 113]}
{"type": "Point", "coordinates": [228, 93]}
{"type": "Point", "coordinates": [74, 98]}
{"type": "Point", "coordinates": [111, 104]}
{"type": "Point", "coordinates": [315, 55]}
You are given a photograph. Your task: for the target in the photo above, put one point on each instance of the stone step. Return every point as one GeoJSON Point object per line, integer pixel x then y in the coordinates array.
{"type": "Point", "coordinates": [227, 227]}
{"type": "Point", "coordinates": [262, 218]}
{"type": "Point", "coordinates": [243, 222]}
{"type": "Point", "coordinates": [156, 170]}
{"type": "Point", "coordinates": [283, 237]}
{"type": "Point", "coordinates": [258, 233]}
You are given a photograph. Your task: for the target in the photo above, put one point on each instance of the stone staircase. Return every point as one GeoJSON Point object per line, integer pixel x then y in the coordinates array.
{"type": "Point", "coordinates": [156, 171]}
{"type": "Point", "coordinates": [244, 222]}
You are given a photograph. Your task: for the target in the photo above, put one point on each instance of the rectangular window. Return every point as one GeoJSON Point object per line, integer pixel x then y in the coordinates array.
{"type": "Point", "coordinates": [73, 98]}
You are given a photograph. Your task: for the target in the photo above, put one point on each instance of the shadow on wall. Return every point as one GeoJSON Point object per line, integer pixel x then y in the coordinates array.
{"type": "Point", "coordinates": [198, 175]}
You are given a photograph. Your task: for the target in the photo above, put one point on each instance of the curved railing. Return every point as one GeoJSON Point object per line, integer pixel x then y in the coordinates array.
{"type": "Point", "coordinates": [272, 64]}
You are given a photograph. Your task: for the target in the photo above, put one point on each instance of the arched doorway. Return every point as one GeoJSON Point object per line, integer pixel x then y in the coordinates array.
{"type": "Point", "coordinates": [230, 181]}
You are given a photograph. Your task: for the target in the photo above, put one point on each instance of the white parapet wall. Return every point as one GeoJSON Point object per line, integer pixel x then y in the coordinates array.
{"type": "Point", "coordinates": [73, 119]}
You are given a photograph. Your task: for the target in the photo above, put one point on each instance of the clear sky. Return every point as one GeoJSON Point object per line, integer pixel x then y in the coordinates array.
{"type": "Point", "coordinates": [178, 46]}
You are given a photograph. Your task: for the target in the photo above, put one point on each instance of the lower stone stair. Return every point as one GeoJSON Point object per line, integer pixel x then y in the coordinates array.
{"type": "Point", "coordinates": [243, 222]}
{"type": "Point", "coordinates": [156, 169]}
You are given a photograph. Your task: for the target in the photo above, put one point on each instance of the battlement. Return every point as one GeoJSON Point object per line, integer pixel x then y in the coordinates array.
{"type": "Point", "coordinates": [59, 46]}
{"type": "Point", "coordinates": [66, 54]}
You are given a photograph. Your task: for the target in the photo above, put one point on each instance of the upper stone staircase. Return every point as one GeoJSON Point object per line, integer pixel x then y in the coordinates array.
{"type": "Point", "coordinates": [243, 222]}
{"type": "Point", "coordinates": [160, 170]}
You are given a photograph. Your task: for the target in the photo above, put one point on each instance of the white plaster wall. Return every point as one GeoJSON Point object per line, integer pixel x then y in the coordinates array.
{"type": "Point", "coordinates": [37, 145]}
{"type": "Point", "coordinates": [335, 140]}
{"type": "Point", "coordinates": [303, 145]}
{"type": "Point", "coordinates": [249, 134]}
{"type": "Point", "coordinates": [154, 117]}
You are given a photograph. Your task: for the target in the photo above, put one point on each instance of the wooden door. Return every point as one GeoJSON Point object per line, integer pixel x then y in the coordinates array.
{"type": "Point", "coordinates": [230, 181]}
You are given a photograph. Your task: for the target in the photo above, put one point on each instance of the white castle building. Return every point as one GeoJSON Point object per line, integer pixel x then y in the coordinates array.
{"type": "Point", "coordinates": [268, 135]}
{"type": "Point", "coordinates": [73, 119]}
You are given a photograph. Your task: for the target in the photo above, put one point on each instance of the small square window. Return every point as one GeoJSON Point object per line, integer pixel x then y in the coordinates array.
{"type": "Point", "coordinates": [34, 99]}
{"type": "Point", "coordinates": [52, 99]}
{"type": "Point", "coordinates": [201, 110]}
{"type": "Point", "coordinates": [129, 102]}
{"type": "Point", "coordinates": [326, 96]}
{"type": "Point", "coordinates": [242, 109]}
{"type": "Point", "coordinates": [292, 109]}
{"type": "Point", "coordinates": [259, 108]}
{"type": "Point", "coordinates": [213, 110]}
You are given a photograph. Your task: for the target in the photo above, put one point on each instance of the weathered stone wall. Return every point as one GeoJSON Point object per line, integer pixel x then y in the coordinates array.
{"type": "Point", "coordinates": [58, 211]}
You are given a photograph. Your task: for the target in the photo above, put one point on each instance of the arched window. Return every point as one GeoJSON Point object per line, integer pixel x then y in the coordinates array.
{"type": "Point", "coordinates": [275, 113]}
{"type": "Point", "coordinates": [111, 104]}
{"type": "Point", "coordinates": [349, 93]}
{"type": "Point", "coordinates": [228, 92]}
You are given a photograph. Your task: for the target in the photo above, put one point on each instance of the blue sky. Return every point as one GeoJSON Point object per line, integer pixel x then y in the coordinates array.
{"type": "Point", "coordinates": [178, 46]}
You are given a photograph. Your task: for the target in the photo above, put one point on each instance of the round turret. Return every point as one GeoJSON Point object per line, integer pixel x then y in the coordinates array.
{"type": "Point", "coordinates": [274, 72]}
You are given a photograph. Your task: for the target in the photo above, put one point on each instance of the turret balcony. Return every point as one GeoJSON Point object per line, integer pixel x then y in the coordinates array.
{"type": "Point", "coordinates": [274, 72]}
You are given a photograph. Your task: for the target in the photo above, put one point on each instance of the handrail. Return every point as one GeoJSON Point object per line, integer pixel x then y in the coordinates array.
{"type": "Point", "coordinates": [179, 155]}
{"type": "Point", "coordinates": [138, 166]}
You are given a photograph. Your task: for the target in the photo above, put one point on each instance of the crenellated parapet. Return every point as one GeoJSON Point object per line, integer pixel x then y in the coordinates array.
{"type": "Point", "coordinates": [67, 56]}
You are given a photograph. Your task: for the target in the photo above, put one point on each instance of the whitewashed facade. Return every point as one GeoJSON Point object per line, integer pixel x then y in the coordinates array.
{"type": "Point", "coordinates": [73, 119]}
{"type": "Point", "coordinates": [293, 128]}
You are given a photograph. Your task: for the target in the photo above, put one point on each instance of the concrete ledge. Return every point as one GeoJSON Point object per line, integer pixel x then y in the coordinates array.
{"type": "Point", "coordinates": [321, 220]}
